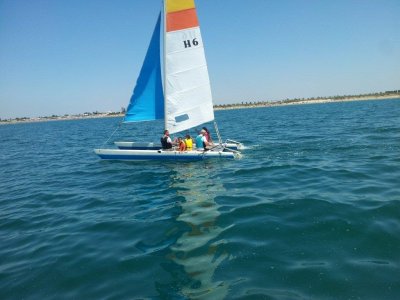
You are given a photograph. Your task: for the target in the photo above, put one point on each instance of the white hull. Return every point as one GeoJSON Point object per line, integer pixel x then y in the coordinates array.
{"type": "Point", "coordinates": [137, 146]}
{"type": "Point", "coordinates": [118, 154]}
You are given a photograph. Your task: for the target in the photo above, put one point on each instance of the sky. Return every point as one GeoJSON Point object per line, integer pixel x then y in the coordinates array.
{"type": "Point", "coordinates": [68, 57]}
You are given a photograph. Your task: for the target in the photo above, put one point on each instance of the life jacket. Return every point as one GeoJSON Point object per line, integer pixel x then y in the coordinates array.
{"type": "Point", "coordinates": [189, 144]}
{"type": "Point", "coordinates": [164, 143]}
{"type": "Point", "coordinates": [182, 146]}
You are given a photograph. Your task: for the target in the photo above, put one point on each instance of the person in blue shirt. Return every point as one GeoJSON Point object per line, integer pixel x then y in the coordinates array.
{"type": "Point", "coordinates": [201, 140]}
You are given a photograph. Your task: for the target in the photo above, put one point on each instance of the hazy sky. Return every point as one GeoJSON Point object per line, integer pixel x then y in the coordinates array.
{"type": "Point", "coordinates": [59, 57]}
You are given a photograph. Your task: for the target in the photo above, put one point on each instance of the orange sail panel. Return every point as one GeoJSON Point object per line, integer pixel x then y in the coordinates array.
{"type": "Point", "coordinates": [182, 19]}
{"type": "Point", "coordinates": [181, 14]}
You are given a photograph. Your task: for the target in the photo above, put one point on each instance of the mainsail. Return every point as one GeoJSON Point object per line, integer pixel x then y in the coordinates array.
{"type": "Point", "coordinates": [188, 99]}
{"type": "Point", "coordinates": [147, 101]}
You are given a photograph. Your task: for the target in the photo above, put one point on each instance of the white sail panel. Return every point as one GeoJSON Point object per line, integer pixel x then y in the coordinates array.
{"type": "Point", "coordinates": [184, 80]}
{"type": "Point", "coordinates": [176, 39]}
{"type": "Point", "coordinates": [187, 85]}
{"type": "Point", "coordinates": [177, 62]}
{"type": "Point", "coordinates": [187, 116]}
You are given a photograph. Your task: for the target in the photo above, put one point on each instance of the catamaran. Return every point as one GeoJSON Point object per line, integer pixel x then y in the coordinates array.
{"type": "Point", "coordinates": [181, 95]}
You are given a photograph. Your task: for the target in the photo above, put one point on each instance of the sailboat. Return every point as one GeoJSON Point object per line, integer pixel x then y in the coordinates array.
{"type": "Point", "coordinates": [179, 93]}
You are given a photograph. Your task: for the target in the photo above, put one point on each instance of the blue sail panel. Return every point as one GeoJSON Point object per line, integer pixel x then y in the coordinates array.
{"type": "Point", "coordinates": [147, 101]}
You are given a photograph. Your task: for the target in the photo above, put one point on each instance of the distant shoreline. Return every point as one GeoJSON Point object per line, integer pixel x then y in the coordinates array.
{"type": "Point", "coordinates": [303, 102]}
{"type": "Point", "coordinates": [61, 118]}
{"type": "Point", "coordinates": [216, 107]}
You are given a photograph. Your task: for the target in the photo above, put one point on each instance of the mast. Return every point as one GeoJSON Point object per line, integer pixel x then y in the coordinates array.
{"type": "Point", "coordinates": [164, 59]}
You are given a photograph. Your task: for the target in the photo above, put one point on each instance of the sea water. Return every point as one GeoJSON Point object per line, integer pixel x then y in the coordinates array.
{"type": "Point", "coordinates": [311, 211]}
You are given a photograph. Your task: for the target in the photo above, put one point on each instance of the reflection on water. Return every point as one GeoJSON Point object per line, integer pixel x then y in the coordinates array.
{"type": "Point", "coordinates": [197, 250]}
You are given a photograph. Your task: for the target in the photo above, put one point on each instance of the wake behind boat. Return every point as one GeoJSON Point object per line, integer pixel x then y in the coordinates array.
{"type": "Point", "coordinates": [182, 96]}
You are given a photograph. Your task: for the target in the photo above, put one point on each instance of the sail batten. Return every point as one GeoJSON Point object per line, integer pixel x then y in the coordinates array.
{"type": "Point", "coordinates": [188, 70]}
{"type": "Point", "coordinates": [188, 90]}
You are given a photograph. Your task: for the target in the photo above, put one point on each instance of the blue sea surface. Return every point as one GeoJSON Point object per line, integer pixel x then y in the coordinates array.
{"type": "Point", "coordinates": [311, 211]}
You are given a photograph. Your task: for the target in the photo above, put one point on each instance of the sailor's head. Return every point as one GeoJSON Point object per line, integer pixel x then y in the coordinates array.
{"type": "Point", "coordinates": [203, 132]}
{"type": "Point", "coordinates": [166, 132]}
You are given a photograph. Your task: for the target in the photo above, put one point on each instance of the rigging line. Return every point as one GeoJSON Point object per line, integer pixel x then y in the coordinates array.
{"type": "Point", "coordinates": [217, 131]}
{"type": "Point", "coordinates": [119, 125]}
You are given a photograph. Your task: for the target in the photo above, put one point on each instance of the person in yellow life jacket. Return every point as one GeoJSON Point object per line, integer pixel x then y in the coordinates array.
{"type": "Point", "coordinates": [189, 143]}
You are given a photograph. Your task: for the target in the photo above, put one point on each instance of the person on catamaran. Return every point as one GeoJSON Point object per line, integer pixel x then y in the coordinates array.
{"type": "Point", "coordinates": [208, 135]}
{"type": "Point", "coordinates": [166, 141]}
{"type": "Point", "coordinates": [189, 143]}
{"type": "Point", "coordinates": [201, 140]}
{"type": "Point", "coordinates": [181, 145]}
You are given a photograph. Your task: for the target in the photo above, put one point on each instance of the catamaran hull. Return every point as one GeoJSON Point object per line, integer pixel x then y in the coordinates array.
{"type": "Point", "coordinates": [154, 146]}
{"type": "Point", "coordinates": [118, 154]}
{"type": "Point", "coordinates": [137, 146]}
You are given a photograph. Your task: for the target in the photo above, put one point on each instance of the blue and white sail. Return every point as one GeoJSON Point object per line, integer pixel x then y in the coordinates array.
{"type": "Point", "coordinates": [147, 101]}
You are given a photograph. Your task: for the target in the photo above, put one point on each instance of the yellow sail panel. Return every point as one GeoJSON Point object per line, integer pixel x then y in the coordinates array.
{"type": "Point", "coordinates": [177, 5]}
